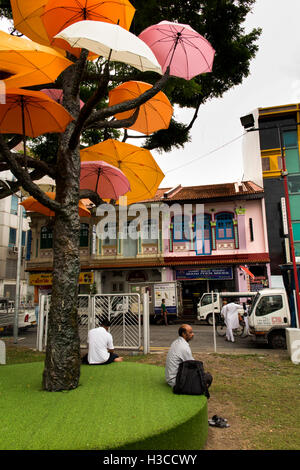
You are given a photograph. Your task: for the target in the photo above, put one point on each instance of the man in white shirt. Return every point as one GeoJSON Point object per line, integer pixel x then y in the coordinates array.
{"type": "Point", "coordinates": [231, 317]}
{"type": "Point", "coordinates": [180, 351]}
{"type": "Point", "coordinates": [101, 348]}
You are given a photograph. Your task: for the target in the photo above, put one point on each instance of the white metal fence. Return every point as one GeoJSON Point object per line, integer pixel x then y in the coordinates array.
{"type": "Point", "coordinates": [123, 311]}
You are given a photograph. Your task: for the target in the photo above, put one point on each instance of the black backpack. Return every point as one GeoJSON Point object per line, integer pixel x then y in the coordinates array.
{"type": "Point", "coordinates": [190, 379]}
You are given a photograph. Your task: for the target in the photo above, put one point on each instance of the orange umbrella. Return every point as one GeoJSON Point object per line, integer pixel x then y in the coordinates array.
{"type": "Point", "coordinates": [26, 63]}
{"type": "Point", "coordinates": [58, 15]}
{"type": "Point", "coordinates": [27, 16]}
{"type": "Point", "coordinates": [154, 115]}
{"type": "Point", "coordinates": [31, 113]}
{"type": "Point", "coordinates": [32, 205]}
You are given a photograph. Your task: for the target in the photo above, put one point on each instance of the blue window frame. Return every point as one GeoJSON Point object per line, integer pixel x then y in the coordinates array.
{"type": "Point", "coordinates": [202, 230]}
{"type": "Point", "coordinates": [181, 229]}
{"type": "Point", "coordinates": [224, 226]}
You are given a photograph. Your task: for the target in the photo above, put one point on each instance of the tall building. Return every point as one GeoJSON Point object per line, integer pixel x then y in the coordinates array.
{"type": "Point", "coordinates": [278, 133]}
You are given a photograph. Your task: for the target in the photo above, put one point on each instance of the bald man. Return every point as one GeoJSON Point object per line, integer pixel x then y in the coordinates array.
{"type": "Point", "coordinates": [179, 351]}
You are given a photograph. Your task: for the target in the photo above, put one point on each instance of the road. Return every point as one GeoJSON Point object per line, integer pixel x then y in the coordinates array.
{"type": "Point", "coordinates": [161, 337]}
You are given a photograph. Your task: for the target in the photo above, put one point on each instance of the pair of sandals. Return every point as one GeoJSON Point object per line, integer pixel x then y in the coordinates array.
{"type": "Point", "coordinates": [218, 422]}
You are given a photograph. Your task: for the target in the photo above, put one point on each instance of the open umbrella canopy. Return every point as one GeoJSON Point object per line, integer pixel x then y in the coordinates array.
{"type": "Point", "coordinates": [27, 16]}
{"type": "Point", "coordinates": [137, 164]}
{"type": "Point", "coordinates": [57, 95]}
{"type": "Point", "coordinates": [32, 205]}
{"type": "Point", "coordinates": [59, 15]}
{"type": "Point", "coordinates": [153, 115]}
{"type": "Point", "coordinates": [179, 46]}
{"type": "Point", "coordinates": [31, 113]}
{"type": "Point", "coordinates": [104, 179]}
{"type": "Point", "coordinates": [111, 41]}
{"type": "Point", "coordinates": [27, 63]}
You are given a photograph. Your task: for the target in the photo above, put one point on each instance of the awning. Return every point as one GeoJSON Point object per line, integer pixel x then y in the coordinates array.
{"type": "Point", "coordinates": [246, 270]}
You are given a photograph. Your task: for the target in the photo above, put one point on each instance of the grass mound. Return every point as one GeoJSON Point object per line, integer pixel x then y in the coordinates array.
{"type": "Point", "coordinates": [119, 406]}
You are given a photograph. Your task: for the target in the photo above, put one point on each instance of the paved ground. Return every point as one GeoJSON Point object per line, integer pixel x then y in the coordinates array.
{"type": "Point", "coordinates": [162, 336]}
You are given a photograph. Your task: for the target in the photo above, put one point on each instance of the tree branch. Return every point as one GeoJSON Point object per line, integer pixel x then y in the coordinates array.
{"type": "Point", "coordinates": [89, 194]}
{"type": "Point", "coordinates": [129, 104]}
{"type": "Point", "coordinates": [24, 176]}
{"type": "Point", "coordinates": [116, 123]}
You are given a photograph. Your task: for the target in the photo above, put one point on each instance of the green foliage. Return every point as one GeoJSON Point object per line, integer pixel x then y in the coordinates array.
{"type": "Point", "coordinates": [166, 139]}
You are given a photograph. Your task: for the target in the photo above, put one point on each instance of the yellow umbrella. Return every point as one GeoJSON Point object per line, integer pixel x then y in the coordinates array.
{"type": "Point", "coordinates": [26, 63]}
{"type": "Point", "coordinates": [137, 164]}
{"type": "Point", "coordinates": [27, 19]}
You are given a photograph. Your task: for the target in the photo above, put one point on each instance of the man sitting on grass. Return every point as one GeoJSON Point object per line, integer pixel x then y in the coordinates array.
{"type": "Point", "coordinates": [101, 348]}
{"type": "Point", "coordinates": [180, 351]}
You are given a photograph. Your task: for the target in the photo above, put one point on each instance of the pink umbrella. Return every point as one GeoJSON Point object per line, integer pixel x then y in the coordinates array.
{"type": "Point", "coordinates": [179, 46]}
{"type": "Point", "coordinates": [105, 179]}
{"type": "Point", "coordinates": [57, 95]}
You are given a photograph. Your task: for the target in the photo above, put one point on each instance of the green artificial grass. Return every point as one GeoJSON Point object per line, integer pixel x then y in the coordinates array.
{"type": "Point", "coordinates": [118, 406]}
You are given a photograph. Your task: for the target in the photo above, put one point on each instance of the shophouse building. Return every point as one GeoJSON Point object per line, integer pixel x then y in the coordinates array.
{"type": "Point", "coordinates": [199, 253]}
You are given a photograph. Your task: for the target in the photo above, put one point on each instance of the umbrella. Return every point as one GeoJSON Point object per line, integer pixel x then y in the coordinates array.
{"type": "Point", "coordinates": [57, 95]}
{"type": "Point", "coordinates": [180, 46]}
{"type": "Point", "coordinates": [137, 164]}
{"type": "Point", "coordinates": [31, 113]}
{"type": "Point", "coordinates": [58, 15]}
{"type": "Point", "coordinates": [32, 205]}
{"type": "Point", "coordinates": [153, 115]}
{"type": "Point", "coordinates": [111, 41]}
{"type": "Point", "coordinates": [106, 180]}
{"type": "Point", "coordinates": [26, 63]}
{"type": "Point", "coordinates": [27, 19]}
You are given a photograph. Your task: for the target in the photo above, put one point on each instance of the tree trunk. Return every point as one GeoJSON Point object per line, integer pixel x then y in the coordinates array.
{"type": "Point", "coordinates": [62, 363]}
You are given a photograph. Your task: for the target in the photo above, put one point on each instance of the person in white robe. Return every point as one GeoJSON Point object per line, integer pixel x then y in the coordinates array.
{"type": "Point", "coordinates": [231, 317]}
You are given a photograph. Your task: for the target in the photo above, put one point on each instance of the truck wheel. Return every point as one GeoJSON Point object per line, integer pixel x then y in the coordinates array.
{"type": "Point", "coordinates": [210, 321]}
{"type": "Point", "coordinates": [277, 341]}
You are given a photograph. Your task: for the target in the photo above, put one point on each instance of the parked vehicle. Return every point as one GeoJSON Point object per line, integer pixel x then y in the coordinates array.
{"type": "Point", "coordinates": [7, 315]}
{"type": "Point", "coordinates": [206, 305]}
{"type": "Point", "coordinates": [268, 316]}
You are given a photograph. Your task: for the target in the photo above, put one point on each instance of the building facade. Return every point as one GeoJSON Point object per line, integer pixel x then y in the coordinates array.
{"type": "Point", "coordinates": [278, 136]}
{"type": "Point", "coordinates": [198, 253]}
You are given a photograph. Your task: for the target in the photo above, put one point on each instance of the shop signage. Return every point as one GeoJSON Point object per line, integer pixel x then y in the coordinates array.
{"type": "Point", "coordinates": [204, 273]}
{"type": "Point", "coordinates": [45, 279]}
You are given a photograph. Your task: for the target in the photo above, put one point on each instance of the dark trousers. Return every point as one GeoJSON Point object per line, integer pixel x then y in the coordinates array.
{"type": "Point", "coordinates": [112, 357]}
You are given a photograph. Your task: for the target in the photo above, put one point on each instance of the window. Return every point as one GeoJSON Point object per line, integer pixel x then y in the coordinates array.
{"type": "Point", "coordinates": [224, 226]}
{"type": "Point", "coordinates": [206, 300]}
{"type": "Point", "coordinates": [84, 235]}
{"type": "Point", "coordinates": [181, 228]}
{"type": "Point", "coordinates": [14, 204]}
{"type": "Point", "coordinates": [202, 230]}
{"type": "Point", "coordinates": [111, 230]}
{"type": "Point", "coordinates": [294, 184]}
{"type": "Point", "coordinates": [269, 137]}
{"type": "Point", "coordinates": [269, 304]}
{"type": "Point", "coordinates": [150, 231]}
{"type": "Point", "coordinates": [46, 238]}
{"type": "Point", "coordinates": [12, 236]}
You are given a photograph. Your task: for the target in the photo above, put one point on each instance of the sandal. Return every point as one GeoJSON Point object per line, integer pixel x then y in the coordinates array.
{"type": "Point", "coordinates": [218, 422]}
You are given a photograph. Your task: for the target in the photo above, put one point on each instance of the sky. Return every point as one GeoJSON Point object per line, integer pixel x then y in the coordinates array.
{"type": "Point", "coordinates": [215, 153]}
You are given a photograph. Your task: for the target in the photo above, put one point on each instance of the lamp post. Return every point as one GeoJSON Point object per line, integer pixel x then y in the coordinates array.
{"type": "Point", "coordinates": [248, 123]}
{"type": "Point", "coordinates": [17, 299]}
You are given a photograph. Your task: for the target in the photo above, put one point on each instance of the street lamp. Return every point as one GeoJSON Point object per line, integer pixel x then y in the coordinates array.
{"type": "Point", "coordinates": [248, 123]}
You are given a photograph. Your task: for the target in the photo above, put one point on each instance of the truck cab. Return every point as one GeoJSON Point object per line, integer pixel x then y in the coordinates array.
{"type": "Point", "coordinates": [269, 316]}
{"type": "Point", "coordinates": [210, 303]}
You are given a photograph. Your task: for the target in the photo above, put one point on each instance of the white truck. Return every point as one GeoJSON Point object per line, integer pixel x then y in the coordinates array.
{"type": "Point", "coordinates": [26, 316]}
{"type": "Point", "coordinates": [206, 306]}
{"type": "Point", "coordinates": [268, 316]}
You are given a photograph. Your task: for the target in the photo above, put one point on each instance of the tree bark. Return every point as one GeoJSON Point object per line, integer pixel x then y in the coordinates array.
{"type": "Point", "coordinates": [62, 363]}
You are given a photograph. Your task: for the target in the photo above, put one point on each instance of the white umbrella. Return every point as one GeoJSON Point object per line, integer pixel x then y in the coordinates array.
{"type": "Point", "coordinates": [113, 41]}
